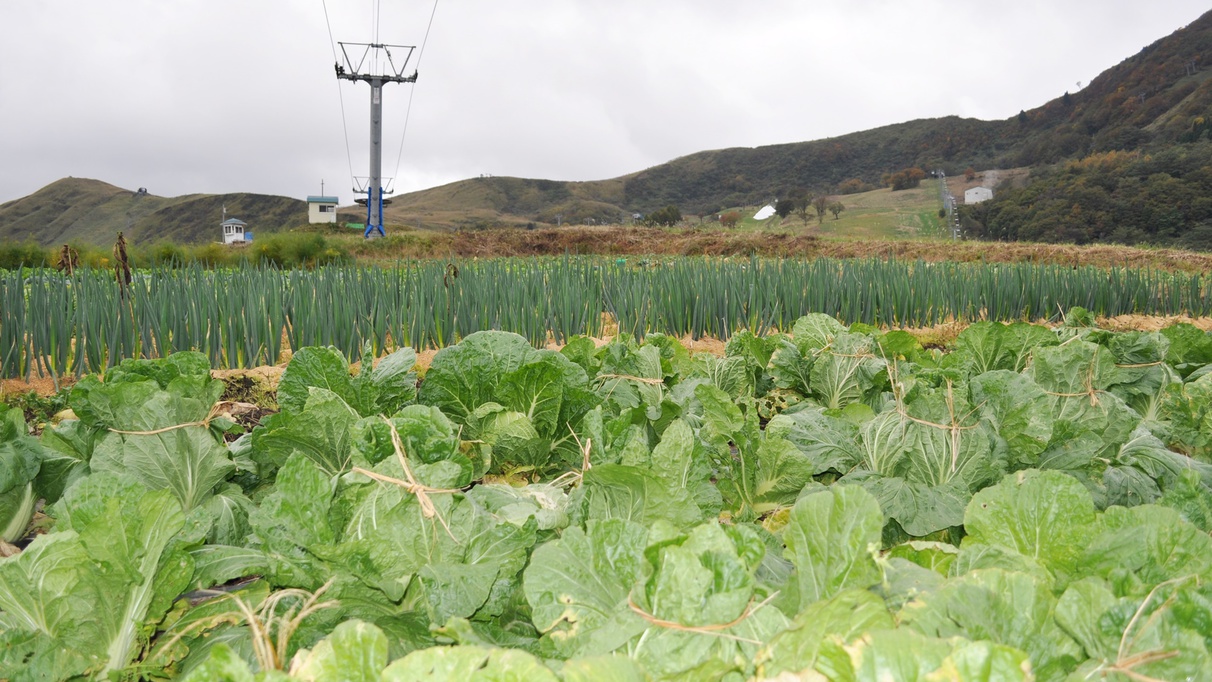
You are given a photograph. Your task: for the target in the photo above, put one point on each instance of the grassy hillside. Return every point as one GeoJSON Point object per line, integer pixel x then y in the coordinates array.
{"type": "Point", "coordinates": [91, 212]}
{"type": "Point", "coordinates": [878, 214]}
{"type": "Point", "coordinates": [495, 201]}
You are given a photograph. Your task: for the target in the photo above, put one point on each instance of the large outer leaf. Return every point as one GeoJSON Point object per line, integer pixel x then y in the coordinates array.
{"type": "Point", "coordinates": [815, 331]}
{"type": "Point", "coordinates": [189, 462]}
{"type": "Point", "coordinates": [536, 390]}
{"type": "Point", "coordinates": [395, 380]}
{"type": "Point", "coordinates": [919, 508]}
{"type": "Point", "coordinates": [354, 652]}
{"type": "Point", "coordinates": [774, 476]}
{"type": "Point", "coordinates": [223, 665]}
{"type": "Point", "coordinates": [1079, 611]}
{"type": "Point", "coordinates": [988, 346]}
{"type": "Point", "coordinates": [320, 430]}
{"type": "Point", "coordinates": [843, 617]}
{"type": "Point", "coordinates": [294, 516]}
{"type": "Point", "coordinates": [676, 461]}
{"type": "Point", "coordinates": [67, 449]}
{"type": "Point", "coordinates": [20, 459]}
{"type": "Point", "coordinates": [1017, 410]}
{"type": "Point", "coordinates": [829, 443]}
{"type": "Point", "coordinates": [20, 455]}
{"type": "Point", "coordinates": [615, 668]}
{"type": "Point", "coordinates": [578, 586]}
{"type": "Point", "coordinates": [831, 537]}
{"type": "Point", "coordinates": [468, 570]}
{"type": "Point", "coordinates": [882, 444]}
{"type": "Point", "coordinates": [845, 372]}
{"type": "Point", "coordinates": [41, 593]}
{"type": "Point", "coordinates": [616, 491]}
{"type": "Point", "coordinates": [315, 367]}
{"type": "Point", "coordinates": [1043, 515]}
{"type": "Point", "coordinates": [1137, 638]}
{"type": "Point", "coordinates": [465, 376]}
{"type": "Point", "coordinates": [126, 531]}
{"type": "Point", "coordinates": [470, 663]}
{"type": "Point", "coordinates": [792, 369]}
{"type": "Point", "coordinates": [1008, 608]}
{"type": "Point", "coordinates": [905, 656]}
{"type": "Point", "coordinates": [1154, 542]}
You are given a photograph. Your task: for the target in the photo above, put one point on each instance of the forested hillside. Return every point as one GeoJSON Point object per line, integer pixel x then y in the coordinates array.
{"type": "Point", "coordinates": [1164, 197]}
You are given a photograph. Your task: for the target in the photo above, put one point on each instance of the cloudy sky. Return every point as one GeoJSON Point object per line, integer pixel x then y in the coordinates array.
{"type": "Point", "coordinates": [185, 96]}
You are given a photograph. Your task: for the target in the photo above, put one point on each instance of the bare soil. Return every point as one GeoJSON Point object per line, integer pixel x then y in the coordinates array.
{"type": "Point", "coordinates": [266, 378]}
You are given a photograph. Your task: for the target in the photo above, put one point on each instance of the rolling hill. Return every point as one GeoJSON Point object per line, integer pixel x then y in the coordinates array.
{"type": "Point", "coordinates": [92, 212]}
{"type": "Point", "coordinates": [1153, 103]}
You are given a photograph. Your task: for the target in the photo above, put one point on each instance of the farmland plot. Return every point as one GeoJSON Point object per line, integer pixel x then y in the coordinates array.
{"type": "Point", "coordinates": [834, 503]}
{"type": "Point", "coordinates": [55, 325]}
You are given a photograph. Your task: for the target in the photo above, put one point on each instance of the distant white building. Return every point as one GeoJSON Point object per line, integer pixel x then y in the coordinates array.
{"type": "Point", "coordinates": [234, 231]}
{"type": "Point", "coordinates": [764, 213]}
{"type": "Point", "coordinates": [322, 209]}
{"type": "Point", "coordinates": [977, 194]}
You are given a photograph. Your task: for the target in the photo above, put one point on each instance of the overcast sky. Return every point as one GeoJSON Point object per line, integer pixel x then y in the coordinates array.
{"type": "Point", "coordinates": [210, 96]}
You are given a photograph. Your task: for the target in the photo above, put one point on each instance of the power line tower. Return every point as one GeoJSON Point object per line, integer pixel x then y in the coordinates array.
{"type": "Point", "coordinates": [375, 64]}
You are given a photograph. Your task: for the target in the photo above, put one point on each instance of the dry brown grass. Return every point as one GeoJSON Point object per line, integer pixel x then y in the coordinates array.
{"type": "Point", "coordinates": [639, 241]}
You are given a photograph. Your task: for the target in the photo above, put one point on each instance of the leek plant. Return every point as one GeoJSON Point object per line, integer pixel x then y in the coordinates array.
{"type": "Point", "coordinates": [71, 324]}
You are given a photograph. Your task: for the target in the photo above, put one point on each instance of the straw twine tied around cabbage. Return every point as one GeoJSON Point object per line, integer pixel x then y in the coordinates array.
{"type": "Point", "coordinates": [410, 483]}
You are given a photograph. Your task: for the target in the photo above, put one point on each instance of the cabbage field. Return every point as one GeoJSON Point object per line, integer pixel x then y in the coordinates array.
{"type": "Point", "coordinates": [833, 503]}
{"type": "Point", "coordinates": [57, 325]}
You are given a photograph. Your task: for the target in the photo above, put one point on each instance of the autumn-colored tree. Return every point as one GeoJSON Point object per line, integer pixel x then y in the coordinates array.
{"type": "Point", "coordinates": [970, 174]}
{"type": "Point", "coordinates": [730, 219]}
{"type": "Point", "coordinates": [853, 186]}
{"type": "Point", "coordinates": [908, 178]}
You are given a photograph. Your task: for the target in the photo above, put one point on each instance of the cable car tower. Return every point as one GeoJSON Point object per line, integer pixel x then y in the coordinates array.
{"type": "Point", "coordinates": [376, 64]}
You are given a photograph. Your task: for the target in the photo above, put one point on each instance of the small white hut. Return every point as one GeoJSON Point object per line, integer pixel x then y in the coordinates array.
{"type": "Point", "coordinates": [321, 209]}
{"type": "Point", "coordinates": [233, 231]}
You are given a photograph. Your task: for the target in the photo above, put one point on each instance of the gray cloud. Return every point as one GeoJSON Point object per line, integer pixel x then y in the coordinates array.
{"type": "Point", "coordinates": [223, 95]}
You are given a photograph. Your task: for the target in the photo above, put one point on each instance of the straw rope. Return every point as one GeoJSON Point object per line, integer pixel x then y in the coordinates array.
{"type": "Point", "coordinates": [628, 377]}
{"type": "Point", "coordinates": [410, 484]}
{"type": "Point", "coordinates": [715, 630]}
{"type": "Point", "coordinates": [216, 411]}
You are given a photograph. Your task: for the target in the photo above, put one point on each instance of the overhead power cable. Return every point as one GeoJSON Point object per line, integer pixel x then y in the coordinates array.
{"type": "Point", "coordinates": [340, 97]}
{"type": "Point", "coordinates": [408, 110]}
